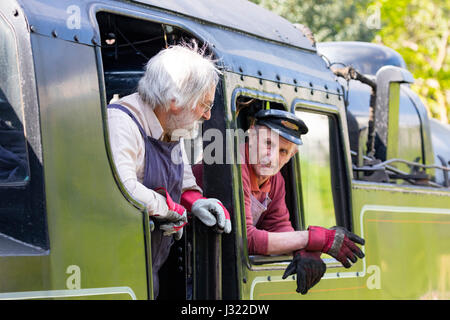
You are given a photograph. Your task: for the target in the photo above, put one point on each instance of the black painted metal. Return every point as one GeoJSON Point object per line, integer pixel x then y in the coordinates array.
{"type": "Point", "coordinates": [26, 221]}
{"type": "Point", "coordinates": [366, 57]}
{"type": "Point", "coordinates": [266, 55]}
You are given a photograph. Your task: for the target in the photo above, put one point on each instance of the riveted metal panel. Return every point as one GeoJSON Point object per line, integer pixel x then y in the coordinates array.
{"type": "Point", "coordinates": [239, 15]}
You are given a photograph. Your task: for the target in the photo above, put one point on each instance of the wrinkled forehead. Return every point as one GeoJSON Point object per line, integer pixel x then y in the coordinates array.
{"type": "Point", "coordinates": [264, 134]}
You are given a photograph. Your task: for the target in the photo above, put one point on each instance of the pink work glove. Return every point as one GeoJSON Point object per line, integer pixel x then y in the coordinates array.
{"type": "Point", "coordinates": [172, 221]}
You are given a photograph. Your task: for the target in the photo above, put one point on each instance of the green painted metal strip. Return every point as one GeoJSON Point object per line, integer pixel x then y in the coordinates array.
{"type": "Point", "coordinates": [67, 293]}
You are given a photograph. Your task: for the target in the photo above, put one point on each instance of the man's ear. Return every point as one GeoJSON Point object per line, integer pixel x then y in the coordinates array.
{"type": "Point", "coordinates": [173, 107]}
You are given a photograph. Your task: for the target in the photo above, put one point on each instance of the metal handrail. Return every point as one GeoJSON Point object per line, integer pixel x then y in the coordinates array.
{"type": "Point", "coordinates": [384, 165]}
{"type": "Point", "coordinates": [410, 163]}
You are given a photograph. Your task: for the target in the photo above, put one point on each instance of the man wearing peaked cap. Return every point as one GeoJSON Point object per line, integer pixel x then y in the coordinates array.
{"type": "Point", "coordinates": [274, 138]}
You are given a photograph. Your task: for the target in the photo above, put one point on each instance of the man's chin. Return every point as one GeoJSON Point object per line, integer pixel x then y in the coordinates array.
{"type": "Point", "coordinates": [188, 132]}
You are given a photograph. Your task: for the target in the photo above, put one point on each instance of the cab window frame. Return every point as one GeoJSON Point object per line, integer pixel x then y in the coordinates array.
{"type": "Point", "coordinates": [263, 261]}
{"type": "Point", "coordinates": [143, 18]}
{"type": "Point", "coordinates": [190, 242]}
{"type": "Point", "coordinates": [340, 176]}
{"type": "Point", "coordinates": [24, 229]}
{"type": "Point", "coordinates": [16, 106]}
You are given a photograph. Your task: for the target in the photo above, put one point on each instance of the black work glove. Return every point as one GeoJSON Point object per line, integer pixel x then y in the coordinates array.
{"type": "Point", "coordinates": [309, 269]}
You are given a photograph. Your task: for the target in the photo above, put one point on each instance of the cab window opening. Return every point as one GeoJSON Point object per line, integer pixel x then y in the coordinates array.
{"type": "Point", "coordinates": [324, 182]}
{"type": "Point", "coordinates": [126, 46]}
{"type": "Point", "coordinates": [315, 168]}
{"type": "Point", "coordinates": [246, 108]}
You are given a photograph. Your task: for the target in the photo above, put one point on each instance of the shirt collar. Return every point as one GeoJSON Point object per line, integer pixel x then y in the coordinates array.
{"type": "Point", "coordinates": [145, 114]}
{"type": "Point", "coordinates": [154, 125]}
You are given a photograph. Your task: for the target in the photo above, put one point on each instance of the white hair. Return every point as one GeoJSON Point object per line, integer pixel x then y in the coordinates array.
{"type": "Point", "coordinates": [180, 73]}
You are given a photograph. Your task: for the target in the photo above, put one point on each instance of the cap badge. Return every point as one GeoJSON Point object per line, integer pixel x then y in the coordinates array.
{"type": "Point", "coordinates": [290, 125]}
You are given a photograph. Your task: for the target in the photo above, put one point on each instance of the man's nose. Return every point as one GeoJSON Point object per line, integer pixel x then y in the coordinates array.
{"type": "Point", "coordinates": [271, 152]}
{"type": "Point", "coordinates": [273, 155]}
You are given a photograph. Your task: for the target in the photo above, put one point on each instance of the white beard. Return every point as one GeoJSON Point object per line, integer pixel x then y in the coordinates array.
{"type": "Point", "coordinates": [183, 126]}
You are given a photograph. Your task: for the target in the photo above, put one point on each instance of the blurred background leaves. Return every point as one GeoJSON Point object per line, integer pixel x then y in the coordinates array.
{"type": "Point", "coordinates": [418, 30]}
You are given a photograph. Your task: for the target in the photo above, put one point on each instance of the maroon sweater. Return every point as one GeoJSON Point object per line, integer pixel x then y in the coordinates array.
{"type": "Point", "coordinates": [274, 219]}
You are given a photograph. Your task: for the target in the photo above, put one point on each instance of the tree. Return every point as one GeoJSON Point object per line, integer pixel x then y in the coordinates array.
{"type": "Point", "coordinates": [417, 29]}
{"type": "Point", "coordinates": [420, 32]}
{"type": "Point", "coordinates": [329, 20]}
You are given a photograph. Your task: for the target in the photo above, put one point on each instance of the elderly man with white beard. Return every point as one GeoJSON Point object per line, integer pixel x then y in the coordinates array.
{"type": "Point", "coordinates": [175, 93]}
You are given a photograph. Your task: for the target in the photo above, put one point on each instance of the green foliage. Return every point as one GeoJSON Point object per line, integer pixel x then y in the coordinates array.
{"type": "Point", "coordinates": [317, 194]}
{"type": "Point", "coordinates": [417, 29]}
{"type": "Point", "coordinates": [329, 20]}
